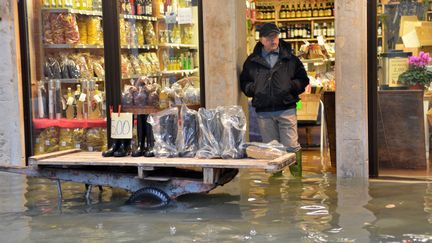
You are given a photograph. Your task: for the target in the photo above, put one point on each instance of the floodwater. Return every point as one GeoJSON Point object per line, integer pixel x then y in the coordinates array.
{"type": "Point", "coordinates": [254, 207]}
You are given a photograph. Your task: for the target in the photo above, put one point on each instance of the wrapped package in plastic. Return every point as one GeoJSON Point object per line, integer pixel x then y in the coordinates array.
{"type": "Point", "coordinates": [73, 69]}
{"type": "Point", "coordinates": [66, 139]}
{"type": "Point", "coordinates": [234, 128]}
{"type": "Point", "coordinates": [81, 63]}
{"type": "Point", "coordinates": [188, 140]}
{"type": "Point", "coordinates": [271, 150]}
{"type": "Point", "coordinates": [135, 62]}
{"type": "Point", "coordinates": [98, 67]}
{"type": "Point", "coordinates": [128, 95]}
{"type": "Point", "coordinates": [140, 33]}
{"type": "Point", "coordinates": [94, 31]}
{"type": "Point", "coordinates": [82, 28]}
{"type": "Point", "coordinates": [50, 138]}
{"type": "Point", "coordinates": [48, 33]}
{"type": "Point", "coordinates": [150, 34]}
{"type": "Point", "coordinates": [58, 29]}
{"type": "Point", "coordinates": [165, 128]}
{"type": "Point", "coordinates": [153, 89]}
{"type": "Point", "coordinates": [211, 131]}
{"type": "Point", "coordinates": [79, 138]}
{"type": "Point", "coordinates": [71, 32]}
{"type": "Point", "coordinates": [54, 68]}
{"type": "Point", "coordinates": [104, 137]}
{"type": "Point", "coordinates": [95, 139]}
{"type": "Point", "coordinates": [64, 62]}
{"type": "Point", "coordinates": [126, 66]}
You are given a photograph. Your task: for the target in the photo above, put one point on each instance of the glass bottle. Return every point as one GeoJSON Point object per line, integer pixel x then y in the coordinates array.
{"type": "Point", "coordinates": [96, 101]}
{"type": "Point", "coordinates": [70, 103]}
{"type": "Point", "coordinates": [79, 102]}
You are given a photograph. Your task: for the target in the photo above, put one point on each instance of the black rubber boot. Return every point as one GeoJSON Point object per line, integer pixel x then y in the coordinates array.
{"type": "Point", "coordinates": [114, 146]}
{"type": "Point", "coordinates": [141, 120]}
{"type": "Point", "coordinates": [149, 151]}
{"type": "Point", "coordinates": [124, 148]}
{"type": "Point", "coordinates": [296, 168]}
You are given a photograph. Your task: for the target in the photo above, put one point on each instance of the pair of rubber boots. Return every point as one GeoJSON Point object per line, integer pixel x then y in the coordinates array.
{"type": "Point", "coordinates": [296, 168]}
{"type": "Point", "coordinates": [119, 148]}
{"type": "Point", "coordinates": [145, 138]}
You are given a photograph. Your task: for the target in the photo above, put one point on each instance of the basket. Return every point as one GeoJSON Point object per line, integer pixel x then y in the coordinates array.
{"type": "Point", "coordinates": [310, 107]}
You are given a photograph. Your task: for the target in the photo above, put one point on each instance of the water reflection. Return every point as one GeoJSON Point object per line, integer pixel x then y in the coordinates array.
{"type": "Point", "coordinates": [253, 207]}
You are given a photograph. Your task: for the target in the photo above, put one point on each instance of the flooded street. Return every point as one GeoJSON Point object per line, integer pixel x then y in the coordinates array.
{"type": "Point", "coordinates": [254, 207]}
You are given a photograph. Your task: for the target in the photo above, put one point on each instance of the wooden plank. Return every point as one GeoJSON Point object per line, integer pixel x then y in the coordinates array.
{"type": "Point", "coordinates": [54, 154]}
{"type": "Point", "coordinates": [95, 159]}
{"type": "Point", "coordinates": [281, 162]}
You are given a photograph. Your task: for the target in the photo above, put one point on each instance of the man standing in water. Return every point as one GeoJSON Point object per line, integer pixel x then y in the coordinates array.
{"type": "Point", "coordinates": [275, 78]}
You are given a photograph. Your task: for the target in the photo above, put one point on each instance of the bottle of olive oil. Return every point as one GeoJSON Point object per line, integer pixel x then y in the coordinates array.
{"type": "Point", "coordinates": [70, 104]}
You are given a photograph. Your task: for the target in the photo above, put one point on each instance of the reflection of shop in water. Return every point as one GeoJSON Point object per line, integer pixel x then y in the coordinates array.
{"type": "Point", "coordinates": [410, 200]}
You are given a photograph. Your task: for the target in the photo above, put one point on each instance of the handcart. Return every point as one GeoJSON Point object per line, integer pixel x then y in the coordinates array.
{"type": "Point", "coordinates": [162, 178]}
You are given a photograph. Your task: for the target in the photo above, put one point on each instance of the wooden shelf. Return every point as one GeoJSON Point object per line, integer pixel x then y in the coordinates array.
{"type": "Point", "coordinates": [178, 46]}
{"type": "Point", "coordinates": [142, 75]}
{"type": "Point", "coordinates": [306, 19]}
{"type": "Point", "coordinates": [139, 17]}
{"type": "Point", "coordinates": [72, 46]}
{"type": "Point", "coordinates": [145, 47]}
{"type": "Point", "coordinates": [182, 72]}
{"type": "Point", "coordinates": [73, 11]}
{"type": "Point", "coordinates": [308, 39]}
{"type": "Point", "coordinates": [265, 20]}
{"type": "Point", "coordinates": [74, 81]}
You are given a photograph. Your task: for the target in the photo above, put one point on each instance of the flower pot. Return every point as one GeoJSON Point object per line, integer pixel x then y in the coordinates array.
{"type": "Point", "coordinates": [417, 87]}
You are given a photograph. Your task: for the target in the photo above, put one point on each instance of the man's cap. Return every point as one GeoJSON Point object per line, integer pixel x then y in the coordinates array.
{"type": "Point", "coordinates": [267, 29]}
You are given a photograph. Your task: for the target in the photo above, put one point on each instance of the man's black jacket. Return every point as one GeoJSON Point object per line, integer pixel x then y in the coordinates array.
{"type": "Point", "coordinates": [276, 88]}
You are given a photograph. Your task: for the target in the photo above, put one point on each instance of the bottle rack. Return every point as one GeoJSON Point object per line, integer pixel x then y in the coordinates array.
{"type": "Point", "coordinates": [308, 20]}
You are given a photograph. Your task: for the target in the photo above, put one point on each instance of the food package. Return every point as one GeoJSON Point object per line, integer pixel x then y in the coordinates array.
{"type": "Point", "coordinates": [270, 151]}
{"type": "Point", "coordinates": [104, 139]}
{"type": "Point", "coordinates": [79, 138]}
{"type": "Point", "coordinates": [123, 39]}
{"type": "Point", "coordinates": [52, 68]}
{"type": "Point", "coordinates": [211, 131]}
{"type": "Point", "coordinates": [47, 141]}
{"type": "Point", "coordinates": [234, 128]}
{"type": "Point", "coordinates": [47, 31]}
{"type": "Point", "coordinates": [71, 32]}
{"type": "Point", "coordinates": [153, 89]}
{"type": "Point", "coordinates": [64, 62]}
{"type": "Point", "coordinates": [154, 60]}
{"type": "Point", "coordinates": [140, 33]}
{"type": "Point", "coordinates": [98, 67]}
{"type": "Point", "coordinates": [188, 140]}
{"type": "Point", "coordinates": [191, 95]}
{"type": "Point", "coordinates": [81, 63]}
{"type": "Point", "coordinates": [73, 69]}
{"type": "Point", "coordinates": [57, 28]}
{"type": "Point", "coordinates": [128, 95]}
{"type": "Point", "coordinates": [135, 62]}
{"type": "Point", "coordinates": [94, 31]}
{"type": "Point", "coordinates": [66, 139]}
{"type": "Point", "coordinates": [149, 34]}
{"type": "Point", "coordinates": [144, 63]}
{"type": "Point", "coordinates": [165, 128]}
{"type": "Point", "coordinates": [94, 139]}
{"type": "Point", "coordinates": [126, 66]}
{"type": "Point", "coordinates": [133, 34]}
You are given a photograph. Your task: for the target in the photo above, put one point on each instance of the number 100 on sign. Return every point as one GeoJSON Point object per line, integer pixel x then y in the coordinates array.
{"type": "Point", "coordinates": [121, 125]}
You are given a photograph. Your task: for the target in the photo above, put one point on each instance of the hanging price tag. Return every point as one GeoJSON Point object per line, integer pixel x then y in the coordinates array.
{"type": "Point", "coordinates": [121, 125]}
{"type": "Point", "coordinates": [82, 97]}
{"type": "Point", "coordinates": [98, 98]}
{"type": "Point", "coordinates": [70, 101]}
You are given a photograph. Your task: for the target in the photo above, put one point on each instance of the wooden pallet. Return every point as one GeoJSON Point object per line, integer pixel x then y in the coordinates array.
{"type": "Point", "coordinates": [211, 167]}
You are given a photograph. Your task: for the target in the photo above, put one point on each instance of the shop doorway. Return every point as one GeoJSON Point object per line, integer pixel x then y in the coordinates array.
{"type": "Point", "coordinates": [309, 27]}
{"type": "Point", "coordinates": [398, 106]}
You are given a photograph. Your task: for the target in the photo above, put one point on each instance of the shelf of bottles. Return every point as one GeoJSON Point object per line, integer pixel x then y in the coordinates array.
{"type": "Point", "coordinates": [69, 97]}
{"type": "Point", "coordinates": [298, 21]}
{"type": "Point", "coordinates": [157, 78]}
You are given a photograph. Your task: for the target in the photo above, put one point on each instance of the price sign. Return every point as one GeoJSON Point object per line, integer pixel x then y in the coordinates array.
{"type": "Point", "coordinates": [121, 125]}
{"type": "Point", "coordinates": [185, 16]}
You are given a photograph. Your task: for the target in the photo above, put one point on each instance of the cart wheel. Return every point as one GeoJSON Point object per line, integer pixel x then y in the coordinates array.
{"type": "Point", "coordinates": [149, 197]}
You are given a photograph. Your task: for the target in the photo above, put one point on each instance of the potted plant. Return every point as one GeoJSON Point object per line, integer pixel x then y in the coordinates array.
{"type": "Point", "coordinates": [417, 76]}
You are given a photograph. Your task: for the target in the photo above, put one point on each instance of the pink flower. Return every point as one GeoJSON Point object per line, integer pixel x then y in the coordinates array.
{"type": "Point", "coordinates": [420, 61]}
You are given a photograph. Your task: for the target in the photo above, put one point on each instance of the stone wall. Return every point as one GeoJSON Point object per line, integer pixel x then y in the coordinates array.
{"type": "Point", "coordinates": [11, 124]}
